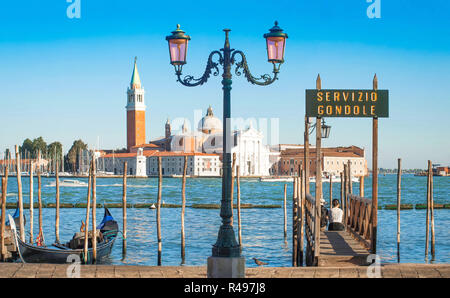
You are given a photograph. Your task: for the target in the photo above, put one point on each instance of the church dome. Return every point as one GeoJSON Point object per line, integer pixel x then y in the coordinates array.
{"type": "Point", "coordinates": [210, 123]}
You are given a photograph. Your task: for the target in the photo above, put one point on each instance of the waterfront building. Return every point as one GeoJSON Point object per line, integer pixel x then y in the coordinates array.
{"type": "Point", "coordinates": [334, 159]}
{"type": "Point", "coordinates": [144, 163]}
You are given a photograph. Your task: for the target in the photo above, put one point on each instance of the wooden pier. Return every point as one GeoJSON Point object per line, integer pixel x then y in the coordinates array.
{"type": "Point", "coordinates": [18, 270]}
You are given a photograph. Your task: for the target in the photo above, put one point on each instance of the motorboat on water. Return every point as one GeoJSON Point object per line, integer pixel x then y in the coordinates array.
{"type": "Point", "coordinates": [334, 179]}
{"type": "Point", "coordinates": [276, 179]}
{"type": "Point", "coordinates": [69, 183]}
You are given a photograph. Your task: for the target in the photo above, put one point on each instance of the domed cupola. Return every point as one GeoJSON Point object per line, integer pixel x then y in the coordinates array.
{"type": "Point", "coordinates": [210, 123]}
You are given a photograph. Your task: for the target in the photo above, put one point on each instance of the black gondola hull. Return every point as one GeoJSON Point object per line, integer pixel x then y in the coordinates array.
{"type": "Point", "coordinates": [64, 255]}
{"type": "Point", "coordinates": [37, 254]}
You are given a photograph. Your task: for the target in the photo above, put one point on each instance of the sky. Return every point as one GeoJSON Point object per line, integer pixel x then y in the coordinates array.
{"type": "Point", "coordinates": [66, 78]}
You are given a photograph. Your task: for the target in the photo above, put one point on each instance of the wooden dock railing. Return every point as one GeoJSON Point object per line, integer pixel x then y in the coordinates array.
{"type": "Point", "coordinates": [310, 205]}
{"type": "Point", "coordinates": [359, 220]}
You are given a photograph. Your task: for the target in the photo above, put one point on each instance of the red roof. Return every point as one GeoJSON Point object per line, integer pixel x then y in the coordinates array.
{"type": "Point", "coordinates": [158, 153]}
{"type": "Point", "coordinates": [145, 146]}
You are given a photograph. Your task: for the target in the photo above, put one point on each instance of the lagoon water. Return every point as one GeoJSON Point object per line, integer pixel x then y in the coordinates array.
{"type": "Point", "coordinates": [262, 228]}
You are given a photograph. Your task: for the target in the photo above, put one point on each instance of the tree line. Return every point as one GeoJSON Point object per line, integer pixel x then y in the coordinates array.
{"type": "Point", "coordinates": [52, 152]}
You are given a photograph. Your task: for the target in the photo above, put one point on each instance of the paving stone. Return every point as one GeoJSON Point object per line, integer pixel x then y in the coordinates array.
{"type": "Point", "coordinates": [326, 273]}
{"type": "Point", "coordinates": [428, 273]}
{"type": "Point", "coordinates": [348, 273]}
{"type": "Point", "coordinates": [304, 272]}
{"type": "Point", "coordinates": [391, 273]}
{"type": "Point", "coordinates": [408, 272]}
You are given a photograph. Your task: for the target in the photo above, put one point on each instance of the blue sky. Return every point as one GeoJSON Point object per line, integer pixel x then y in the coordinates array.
{"type": "Point", "coordinates": [65, 79]}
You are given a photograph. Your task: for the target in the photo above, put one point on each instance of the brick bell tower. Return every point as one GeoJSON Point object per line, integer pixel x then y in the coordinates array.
{"type": "Point", "coordinates": [135, 111]}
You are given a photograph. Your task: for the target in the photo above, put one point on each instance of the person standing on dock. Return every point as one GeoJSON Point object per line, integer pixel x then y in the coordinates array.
{"type": "Point", "coordinates": [335, 217]}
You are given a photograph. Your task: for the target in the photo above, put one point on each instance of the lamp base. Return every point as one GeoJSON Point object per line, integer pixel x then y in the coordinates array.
{"type": "Point", "coordinates": [226, 267]}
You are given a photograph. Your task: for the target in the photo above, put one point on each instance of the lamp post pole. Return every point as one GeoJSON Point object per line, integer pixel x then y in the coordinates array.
{"type": "Point", "coordinates": [226, 245]}
{"type": "Point", "coordinates": [226, 259]}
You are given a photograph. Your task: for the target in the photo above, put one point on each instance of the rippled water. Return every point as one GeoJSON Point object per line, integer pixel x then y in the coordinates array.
{"type": "Point", "coordinates": [262, 229]}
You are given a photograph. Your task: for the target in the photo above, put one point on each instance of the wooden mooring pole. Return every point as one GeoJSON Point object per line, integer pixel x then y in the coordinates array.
{"type": "Point", "coordinates": [374, 175]}
{"type": "Point", "coordinates": [294, 222]}
{"type": "Point", "coordinates": [31, 203]}
{"type": "Point", "coordinates": [19, 190]}
{"type": "Point", "coordinates": [399, 181]}
{"type": "Point", "coordinates": [345, 191]}
{"type": "Point", "coordinates": [183, 207]}
{"type": "Point", "coordinates": [331, 190]}
{"type": "Point", "coordinates": [238, 184]}
{"type": "Point", "coordinates": [342, 189]}
{"type": "Point", "coordinates": [232, 186]}
{"type": "Point", "coordinates": [318, 193]}
{"type": "Point", "coordinates": [433, 250]}
{"type": "Point", "coordinates": [302, 198]}
{"type": "Point", "coordinates": [285, 213]}
{"type": "Point", "coordinates": [124, 210]}
{"type": "Point", "coordinates": [94, 211]}
{"type": "Point", "coordinates": [40, 231]}
{"type": "Point", "coordinates": [158, 211]}
{"type": "Point", "coordinates": [361, 186]}
{"type": "Point", "coordinates": [427, 229]}
{"type": "Point", "coordinates": [86, 222]}
{"type": "Point", "coordinates": [57, 204]}
{"type": "Point", "coordinates": [2, 228]}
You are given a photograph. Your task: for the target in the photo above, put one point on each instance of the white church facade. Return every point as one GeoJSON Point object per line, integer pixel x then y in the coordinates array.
{"type": "Point", "coordinates": [252, 155]}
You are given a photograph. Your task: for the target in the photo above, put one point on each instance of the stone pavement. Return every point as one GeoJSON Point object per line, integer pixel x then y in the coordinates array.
{"type": "Point", "coordinates": [18, 270]}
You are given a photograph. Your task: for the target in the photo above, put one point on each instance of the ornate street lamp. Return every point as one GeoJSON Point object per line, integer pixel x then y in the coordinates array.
{"type": "Point", "coordinates": [226, 248]}
{"type": "Point", "coordinates": [325, 129]}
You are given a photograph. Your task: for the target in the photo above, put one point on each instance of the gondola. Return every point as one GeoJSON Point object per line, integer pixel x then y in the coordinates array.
{"type": "Point", "coordinates": [68, 252]}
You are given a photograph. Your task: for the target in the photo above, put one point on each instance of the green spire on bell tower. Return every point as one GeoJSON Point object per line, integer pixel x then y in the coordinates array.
{"type": "Point", "coordinates": [135, 79]}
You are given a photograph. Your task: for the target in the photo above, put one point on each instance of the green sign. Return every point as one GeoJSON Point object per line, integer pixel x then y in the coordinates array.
{"type": "Point", "coordinates": [347, 103]}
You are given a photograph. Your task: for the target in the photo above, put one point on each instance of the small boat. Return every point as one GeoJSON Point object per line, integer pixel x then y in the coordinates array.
{"type": "Point", "coordinates": [62, 253]}
{"type": "Point", "coordinates": [69, 183]}
{"type": "Point", "coordinates": [334, 179]}
{"type": "Point", "coordinates": [276, 179]}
